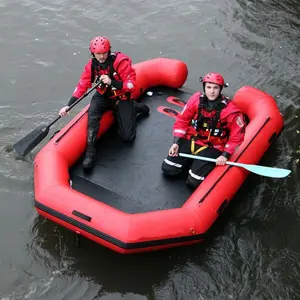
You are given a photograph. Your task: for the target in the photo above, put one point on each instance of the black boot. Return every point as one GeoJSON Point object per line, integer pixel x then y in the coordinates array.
{"type": "Point", "coordinates": [142, 110]}
{"type": "Point", "coordinates": [90, 153]}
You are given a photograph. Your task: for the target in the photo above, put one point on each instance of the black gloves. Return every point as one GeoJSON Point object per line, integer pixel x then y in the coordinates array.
{"type": "Point", "coordinates": [72, 100]}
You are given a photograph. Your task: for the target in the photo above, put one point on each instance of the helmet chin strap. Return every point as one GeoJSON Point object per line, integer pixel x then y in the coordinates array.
{"type": "Point", "coordinates": [211, 105]}
{"type": "Point", "coordinates": [103, 65]}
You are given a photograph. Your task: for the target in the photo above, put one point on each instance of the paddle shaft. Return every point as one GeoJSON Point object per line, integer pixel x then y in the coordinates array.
{"type": "Point", "coordinates": [76, 102]}
{"type": "Point", "coordinates": [211, 159]}
{"type": "Point", "coordinates": [198, 157]}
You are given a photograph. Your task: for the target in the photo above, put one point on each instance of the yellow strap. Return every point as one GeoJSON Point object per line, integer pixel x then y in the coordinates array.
{"type": "Point", "coordinates": [193, 148]}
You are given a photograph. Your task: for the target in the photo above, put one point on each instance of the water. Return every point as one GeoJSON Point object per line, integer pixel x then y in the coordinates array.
{"type": "Point", "coordinates": [253, 252]}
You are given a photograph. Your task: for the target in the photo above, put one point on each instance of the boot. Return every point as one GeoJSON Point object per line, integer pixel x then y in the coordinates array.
{"type": "Point", "coordinates": [142, 110]}
{"type": "Point", "coordinates": [90, 153]}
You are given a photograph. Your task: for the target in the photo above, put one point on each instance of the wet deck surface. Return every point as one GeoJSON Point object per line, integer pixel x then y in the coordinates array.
{"type": "Point", "coordinates": [128, 176]}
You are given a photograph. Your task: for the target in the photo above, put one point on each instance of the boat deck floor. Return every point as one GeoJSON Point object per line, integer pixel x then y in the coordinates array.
{"type": "Point", "coordinates": [128, 176]}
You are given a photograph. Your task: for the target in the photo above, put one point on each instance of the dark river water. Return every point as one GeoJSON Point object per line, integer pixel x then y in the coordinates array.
{"type": "Point", "coordinates": [254, 248]}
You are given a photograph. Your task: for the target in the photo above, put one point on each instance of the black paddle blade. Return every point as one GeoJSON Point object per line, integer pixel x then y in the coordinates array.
{"type": "Point", "coordinates": [28, 142]}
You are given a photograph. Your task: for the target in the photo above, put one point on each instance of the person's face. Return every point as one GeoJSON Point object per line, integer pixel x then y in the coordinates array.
{"type": "Point", "coordinates": [212, 91]}
{"type": "Point", "coordinates": [101, 57]}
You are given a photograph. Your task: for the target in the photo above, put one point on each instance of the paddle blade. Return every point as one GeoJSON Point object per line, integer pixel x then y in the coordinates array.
{"type": "Point", "coordinates": [27, 143]}
{"type": "Point", "coordinates": [267, 171]}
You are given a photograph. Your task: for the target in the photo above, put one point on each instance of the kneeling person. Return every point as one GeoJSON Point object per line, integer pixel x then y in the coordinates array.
{"type": "Point", "coordinates": [118, 80]}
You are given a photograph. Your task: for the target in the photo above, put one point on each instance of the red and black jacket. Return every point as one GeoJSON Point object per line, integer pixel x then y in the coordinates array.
{"type": "Point", "coordinates": [118, 67]}
{"type": "Point", "coordinates": [222, 127]}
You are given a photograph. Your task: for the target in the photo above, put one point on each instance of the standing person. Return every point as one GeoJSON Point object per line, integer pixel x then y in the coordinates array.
{"type": "Point", "coordinates": [217, 132]}
{"type": "Point", "coordinates": [118, 79]}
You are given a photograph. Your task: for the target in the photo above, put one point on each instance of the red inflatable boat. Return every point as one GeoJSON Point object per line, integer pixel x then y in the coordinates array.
{"type": "Point", "coordinates": [126, 204]}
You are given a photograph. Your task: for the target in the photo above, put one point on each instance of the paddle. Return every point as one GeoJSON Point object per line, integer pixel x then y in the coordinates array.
{"type": "Point", "coordinates": [27, 143]}
{"type": "Point", "coordinates": [260, 170]}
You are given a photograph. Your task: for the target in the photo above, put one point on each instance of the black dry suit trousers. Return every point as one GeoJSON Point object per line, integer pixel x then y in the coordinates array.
{"type": "Point", "coordinates": [198, 169]}
{"type": "Point", "coordinates": [126, 112]}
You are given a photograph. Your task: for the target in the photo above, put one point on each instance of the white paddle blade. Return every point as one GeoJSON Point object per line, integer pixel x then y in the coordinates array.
{"type": "Point", "coordinates": [267, 171]}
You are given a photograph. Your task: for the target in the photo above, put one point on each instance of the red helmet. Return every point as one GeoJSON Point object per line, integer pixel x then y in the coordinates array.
{"type": "Point", "coordinates": [99, 44]}
{"type": "Point", "coordinates": [214, 78]}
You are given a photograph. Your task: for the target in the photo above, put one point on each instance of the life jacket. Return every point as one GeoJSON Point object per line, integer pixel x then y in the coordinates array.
{"type": "Point", "coordinates": [208, 125]}
{"type": "Point", "coordinates": [107, 68]}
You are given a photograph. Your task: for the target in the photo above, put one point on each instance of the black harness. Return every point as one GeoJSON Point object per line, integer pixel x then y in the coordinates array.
{"type": "Point", "coordinates": [210, 123]}
{"type": "Point", "coordinates": [97, 67]}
